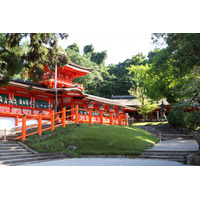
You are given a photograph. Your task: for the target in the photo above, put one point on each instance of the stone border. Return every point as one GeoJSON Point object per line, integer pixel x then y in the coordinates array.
{"type": "Point", "coordinates": [44, 154]}
{"type": "Point", "coordinates": [109, 156]}
{"type": "Point", "coordinates": [193, 159]}
{"type": "Point", "coordinates": [26, 147]}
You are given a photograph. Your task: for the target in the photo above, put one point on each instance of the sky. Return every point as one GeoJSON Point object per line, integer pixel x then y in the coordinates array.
{"type": "Point", "coordinates": [118, 46]}
{"type": "Point", "coordinates": [122, 28]}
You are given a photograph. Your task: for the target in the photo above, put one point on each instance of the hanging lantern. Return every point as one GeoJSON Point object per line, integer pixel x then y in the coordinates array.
{"type": "Point", "coordinates": [111, 109]}
{"type": "Point", "coordinates": [10, 101]}
{"type": "Point", "coordinates": [6, 101]}
{"type": "Point", "coordinates": [90, 105]}
{"type": "Point", "coordinates": [32, 104]}
{"type": "Point", "coordinates": [36, 105]}
{"type": "Point", "coordinates": [101, 107]}
{"type": "Point", "coordinates": [120, 111]}
{"type": "Point", "coordinates": [14, 102]}
{"type": "Point", "coordinates": [48, 106]}
{"type": "Point", "coordinates": [20, 102]}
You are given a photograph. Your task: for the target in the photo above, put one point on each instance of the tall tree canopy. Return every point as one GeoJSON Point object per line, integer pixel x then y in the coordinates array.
{"type": "Point", "coordinates": [88, 49]}
{"type": "Point", "coordinates": [124, 81]}
{"type": "Point", "coordinates": [74, 47]}
{"type": "Point", "coordinates": [182, 48]}
{"type": "Point", "coordinates": [174, 71]}
{"type": "Point", "coordinates": [27, 58]}
{"type": "Point", "coordinates": [99, 57]}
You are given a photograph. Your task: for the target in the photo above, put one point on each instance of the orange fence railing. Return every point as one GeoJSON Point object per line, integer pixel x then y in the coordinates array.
{"type": "Point", "coordinates": [60, 118]}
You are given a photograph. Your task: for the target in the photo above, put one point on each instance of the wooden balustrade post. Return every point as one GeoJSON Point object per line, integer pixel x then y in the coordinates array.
{"type": "Point", "coordinates": [101, 117]}
{"type": "Point", "coordinates": [76, 115]}
{"type": "Point", "coordinates": [40, 123]}
{"type": "Point", "coordinates": [120, 119]}
{"type": "Point", "coordinates": [23, 127]}
{"type": "Point", "coordinates": [90, 115]}
{"type": "Point", "coordinates": [111, 118]}
{"type": "Point", "coordinates": [52, 120]}
{"type": "Point", "coordinates": [16, 120]}
{"type": "Point", "coordinates": [126, 121]}
{"type": "Point", "coordinates": [64, 117]}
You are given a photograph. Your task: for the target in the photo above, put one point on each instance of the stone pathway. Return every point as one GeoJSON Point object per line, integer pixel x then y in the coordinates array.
{"type": "Point", "coordinates": [107, 162]}
{"type": "Point", "coordinates": [174, 144]}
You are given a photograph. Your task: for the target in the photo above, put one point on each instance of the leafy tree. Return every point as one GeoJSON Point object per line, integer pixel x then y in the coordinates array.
{"type": "Point", "coordinates": [182, 48]}
{"type": "Point", "coordinates": [88, 49]}
{"type": "Point", "coordinates": [99, 57]}
{"type": "Point", "coordinates": [90, 81]}
{"type": "Point", "coordinates": [160, 79]}
{"type": "Point", "coordinates": [139, 73]}
{"type": "Point", "coordinates": [74, 47]}
{"type": "Point", "coordinates": [27, 58]}
{"type": "Point", "coordinates": [124, 81]}
{"type": "Point", "coordinates": [174, 71]}
{"type": "Point", "coordinates": [147, 106]}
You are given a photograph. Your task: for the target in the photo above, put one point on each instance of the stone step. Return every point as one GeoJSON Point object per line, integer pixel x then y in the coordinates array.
{"type": "Point", "coordinates": [174, 158]}
{"type": "Point", "coordinates": [15, 153]}
{"type": "Point", "coordinates": [16, 156]}
{"type": "Point", "coordinates": [8, 142]}
{"type": "Point", "coordinates": [14, 150]}
{"type": "Point", "coordinates": [166, 153]}
{"type": "Point", "coordinates": [20, 161]}
{"type": "Point", "coordinates": [174, 134]}
{"type": "Point", "coordinates": [162, 156]}
{"type": "Point", "coordinates": [167, 150]}
{"type": "Point", "coordinates": [11, 147]}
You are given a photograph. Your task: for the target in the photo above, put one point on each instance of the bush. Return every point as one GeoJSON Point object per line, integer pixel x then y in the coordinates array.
{"type": "Point", "coordinates": [178, 116]}
{"type": "Point", "coordinates": [195, 120]}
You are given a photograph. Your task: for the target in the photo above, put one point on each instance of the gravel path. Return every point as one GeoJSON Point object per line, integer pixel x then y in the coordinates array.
{"type": "Point", "coordinates": [107, 162]}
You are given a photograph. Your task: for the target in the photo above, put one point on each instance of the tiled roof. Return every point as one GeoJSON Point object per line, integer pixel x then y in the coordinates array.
{"type": "Point", "coordinates": [107, 101]}
{"type": "Point", "coordinates": [123, 97]}
{"type": "Point", "coordinates": [136, 102]}
{"type": "Point", "coordinates": [80, 67]}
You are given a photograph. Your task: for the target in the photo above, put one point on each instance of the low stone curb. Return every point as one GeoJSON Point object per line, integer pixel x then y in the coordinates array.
{"type": "Point", "coordinates": [26, 147]}
{"type": "Point", "coordinates": [109, 156]}
{"type": "Point", "coordinates": [44, 154]}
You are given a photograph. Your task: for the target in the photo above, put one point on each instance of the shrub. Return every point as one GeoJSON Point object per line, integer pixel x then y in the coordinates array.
{"type": "Point", "coordinates": [195, 120]}
{"type": "Point", "coordinates": [178, 116]}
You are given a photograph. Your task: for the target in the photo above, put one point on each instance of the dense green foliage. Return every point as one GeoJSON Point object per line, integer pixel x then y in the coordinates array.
{"type": "Point", "coordinates": [172, 72]}
{"type": "Point", "coordinates": [175, 70]}
{"type": "Point", "coordinates": [147, 106]}
{"type": "Point", "coordinates": [95, 140]}
{"type": "Point", "coordinates": [27, 58]}
{"type": "Point", "coordinates": [105, 81]}
{"type": "Point", "coordinates": [178, 116]}
{"type": "Point", "coordinates": [124, 80]}
{"type": "Point", "coordinates": [74, 47]}
{"type": "Point", "coordinates": [97, 82]}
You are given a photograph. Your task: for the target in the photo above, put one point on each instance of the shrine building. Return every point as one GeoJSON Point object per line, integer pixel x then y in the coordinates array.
{"type": "Point", "coordinates": [24, 97]}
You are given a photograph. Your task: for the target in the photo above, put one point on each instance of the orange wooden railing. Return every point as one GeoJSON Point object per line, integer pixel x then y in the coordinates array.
{"type": "Point", "coordinates": [62, 120]}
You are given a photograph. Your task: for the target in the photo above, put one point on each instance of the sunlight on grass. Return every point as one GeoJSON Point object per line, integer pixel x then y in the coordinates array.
{"type": "Point", "coordinates": [95, 140]}
{"type": "Point", "coordinates": [149, 123]}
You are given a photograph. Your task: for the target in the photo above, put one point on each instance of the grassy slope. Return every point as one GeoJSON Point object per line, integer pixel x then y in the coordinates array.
{"type": "Point", "coordinates": [96, 140]}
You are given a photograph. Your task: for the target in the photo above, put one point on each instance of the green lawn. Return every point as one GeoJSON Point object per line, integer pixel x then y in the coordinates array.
{"type": "Point", "coordinates": [95, 140]}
